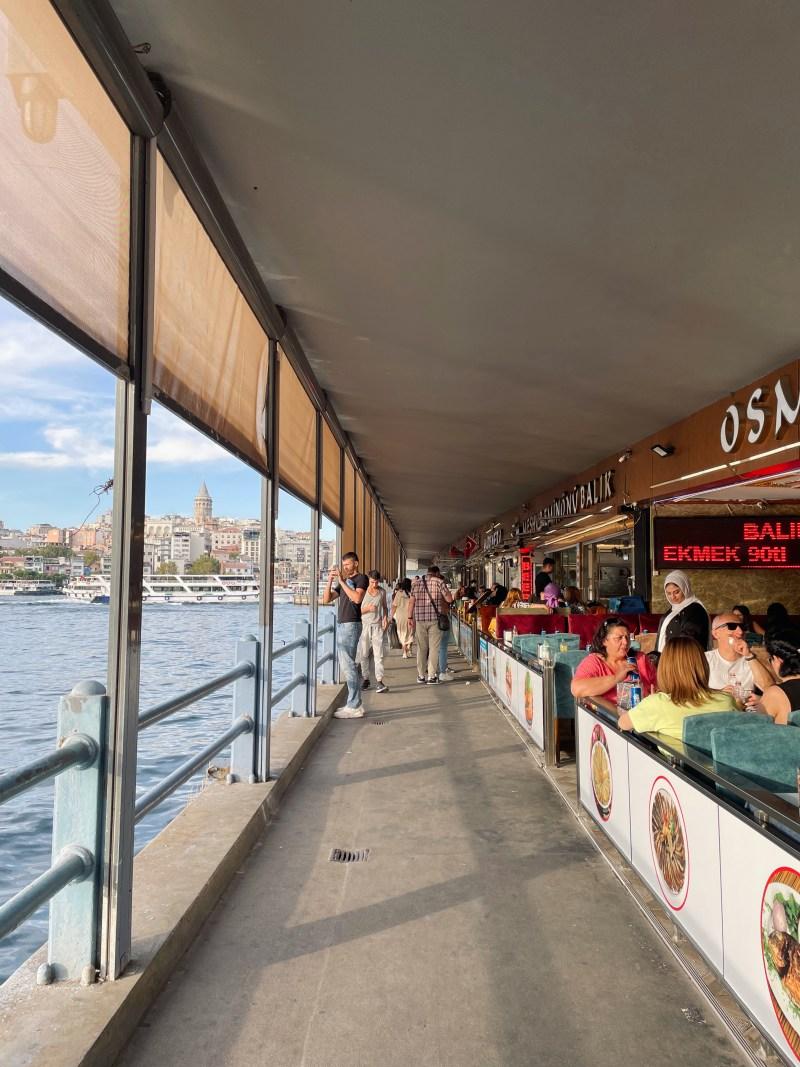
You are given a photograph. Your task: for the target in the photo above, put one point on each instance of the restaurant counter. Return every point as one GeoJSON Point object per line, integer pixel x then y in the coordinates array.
{"type": "Point", "coordinates": [720, 853]}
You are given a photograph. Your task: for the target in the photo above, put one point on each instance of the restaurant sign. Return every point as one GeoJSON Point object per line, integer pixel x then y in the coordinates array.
{"type": "Point", "coordinates": [573, 501]}
{"type": "Point", "coordinates": [754, 416]}
{"type": "Point", "coordinates": [770, 542]}
{"type": "Point", "coordinates": [493, 539]}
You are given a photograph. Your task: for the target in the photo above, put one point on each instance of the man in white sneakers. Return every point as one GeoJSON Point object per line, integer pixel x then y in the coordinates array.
{"type": "Point", "coordinates": [348, 587]}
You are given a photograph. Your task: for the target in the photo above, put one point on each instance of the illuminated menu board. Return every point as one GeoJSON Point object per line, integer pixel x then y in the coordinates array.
{"type": "Point", "coordinates": [726, 542]}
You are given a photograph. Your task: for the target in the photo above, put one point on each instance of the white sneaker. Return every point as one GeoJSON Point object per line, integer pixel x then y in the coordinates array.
{"type": "Point", "coordinates": [349, 713]}
{"type": "Point", "coordinates": [443, 678]}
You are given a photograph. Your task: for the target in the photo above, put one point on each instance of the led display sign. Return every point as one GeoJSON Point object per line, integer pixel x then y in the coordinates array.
{"type": "Point", "coordinates": [727, 542]}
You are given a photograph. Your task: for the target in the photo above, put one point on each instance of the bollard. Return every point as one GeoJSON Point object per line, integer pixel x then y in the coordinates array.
{"type": "Point", "coordinates": [77, 828]}
{"type": "Point", "coordinates": [300, 659]}
{"type": "Point", "coordinates": [244, 761]}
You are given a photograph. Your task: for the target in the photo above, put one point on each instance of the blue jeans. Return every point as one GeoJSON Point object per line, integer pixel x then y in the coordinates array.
{"type": "Point", "coordinates": [443, 652]}
{"type": "Point", "coordinates": [347, 636]}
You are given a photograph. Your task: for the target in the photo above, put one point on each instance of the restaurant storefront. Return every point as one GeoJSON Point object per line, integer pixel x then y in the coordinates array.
{"type": "Point", "coordinates": [738, 457]}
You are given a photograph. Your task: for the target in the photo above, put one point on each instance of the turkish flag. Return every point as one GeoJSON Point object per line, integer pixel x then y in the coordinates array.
{"type": "Point", "coordinates": [454, 551]}
{"type": "Point", "coordinates": [470, 544]}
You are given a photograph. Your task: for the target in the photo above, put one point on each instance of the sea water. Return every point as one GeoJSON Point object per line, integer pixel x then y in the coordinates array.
{"type": "Point", "coordinates": [47, 644]}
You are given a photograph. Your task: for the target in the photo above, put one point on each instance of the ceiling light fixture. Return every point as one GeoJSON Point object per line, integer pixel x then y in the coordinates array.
{"type": "Point", "coordinates": [626, 455]}
{"type": "Point", "coordinates": [663, 450]}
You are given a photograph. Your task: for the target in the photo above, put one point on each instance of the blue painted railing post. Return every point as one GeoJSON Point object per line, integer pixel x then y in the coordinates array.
{"type": "Point", "coordinates": [77, 825]}
{"type": "Point", "coordinates": [328, 650]}
{"type": "Point", "coordinates": [300, 668]}
{"type": "Point", "coordinates": [244, 758]}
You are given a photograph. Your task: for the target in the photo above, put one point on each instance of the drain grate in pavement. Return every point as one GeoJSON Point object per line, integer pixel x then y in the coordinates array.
{"type": "Point", "coordinates": [379, 722]}
{"type": "Point", "coordinates": [349, 855]}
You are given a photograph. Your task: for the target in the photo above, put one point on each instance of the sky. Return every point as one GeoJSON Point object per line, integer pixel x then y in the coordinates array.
{"type": "Point", "coordinates": [57, 442]}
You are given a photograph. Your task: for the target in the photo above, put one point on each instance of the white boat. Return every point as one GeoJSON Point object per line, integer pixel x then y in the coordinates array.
{"type": "Point", "coordinates": [172, 589]}
{"type": "Point", "coordinates": [25, 587]}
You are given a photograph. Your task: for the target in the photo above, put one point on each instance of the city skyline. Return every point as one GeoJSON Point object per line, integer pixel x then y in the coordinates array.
{"type": "Point", "coordinates": [57, 441]}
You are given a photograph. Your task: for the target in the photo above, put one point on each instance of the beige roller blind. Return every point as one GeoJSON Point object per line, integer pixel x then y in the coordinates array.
{"type": "Point", "coordinates": [349, 509]}
{"type": "Point", "coordinates": [370, 533]}
{"type": "Point", "coordinates": [297, 455]}
{"type": "Point", "coordinates": [64, 176]}
{"type": "Point", "coordinates": [210, 355]}
{"type": "Point", "coordinates": [331, 475]}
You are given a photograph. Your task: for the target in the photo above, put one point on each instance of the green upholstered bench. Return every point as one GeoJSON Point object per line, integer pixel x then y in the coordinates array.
{"type": "Point", "coordinates": [697, 728]}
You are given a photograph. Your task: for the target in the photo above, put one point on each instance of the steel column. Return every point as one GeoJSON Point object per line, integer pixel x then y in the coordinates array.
{"type": "Point", "coordinates": [77, 825]}
{"type": "Point", "coordinates": [125, 620]}
{"type": "Point", "coordinates": [244, 752]}
{"type": "Point", "coordinates": [313, 579]}
{"type": "Point", "coordinates": [269, 509]}
{"type": "Point", "coordinates": [300, 668]}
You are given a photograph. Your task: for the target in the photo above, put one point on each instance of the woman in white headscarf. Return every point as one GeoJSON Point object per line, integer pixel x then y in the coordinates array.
{"type": "Point", "coordinates": [687, 617]}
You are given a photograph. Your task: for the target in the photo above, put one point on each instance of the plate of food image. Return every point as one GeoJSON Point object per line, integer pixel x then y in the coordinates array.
{"type": "Point", "coordinates": [509, 682]}
{"type": "Point", "coordinates": [600, 771]}
{"type": "Point", "coordinates": [669, 843]}
{"type": "Point", "coordinates": [528, 699]}
{"type": "Point", "coordinates": [780, 949]}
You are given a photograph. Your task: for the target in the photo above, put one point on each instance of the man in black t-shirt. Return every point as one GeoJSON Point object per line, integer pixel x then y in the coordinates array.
{"type": "Point", "coordinates": [543, 578]}
{"type": "Point", "coordinates": [348, 586]}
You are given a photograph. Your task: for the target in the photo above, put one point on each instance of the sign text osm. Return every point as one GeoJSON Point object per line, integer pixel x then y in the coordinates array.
{"type": "Point", "coordinates": [750, 422]}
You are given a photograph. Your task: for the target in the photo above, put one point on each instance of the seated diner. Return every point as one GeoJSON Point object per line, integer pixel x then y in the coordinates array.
{"type": "Point", "coordinates": [683, 690]}
{"type": "Point", "coordinates": [608, 664]}
{"type": "Point", "coordinates": [778, 701]}
{"type": "Point", "coordinates": [733, 666]}
{"type": "Point", "coordinates": [745, 617]}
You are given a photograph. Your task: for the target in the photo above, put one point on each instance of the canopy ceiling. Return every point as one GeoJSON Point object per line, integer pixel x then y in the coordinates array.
{"type": "Point", "coordinates": [512, 237]}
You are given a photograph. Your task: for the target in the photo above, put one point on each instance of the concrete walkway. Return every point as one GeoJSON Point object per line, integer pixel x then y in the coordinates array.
{"type": "Point", "coordinates": [483, 929]}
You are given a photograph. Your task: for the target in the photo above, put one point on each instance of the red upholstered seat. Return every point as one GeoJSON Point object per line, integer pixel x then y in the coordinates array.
{"type": "Point", "coordinates": [531, 624]}
{"type": "Point", "coordinates": [632, 621]}
{"type": "Point", "coordinates": [649, 622]}
{"type": "Point", "coordinates": [585, 626]}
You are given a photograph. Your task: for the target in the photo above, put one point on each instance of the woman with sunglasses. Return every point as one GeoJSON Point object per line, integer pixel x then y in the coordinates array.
{"type": "Point", "coordinates": [607, 663]}
{"type": "Point", "coordinates": [783, 648]}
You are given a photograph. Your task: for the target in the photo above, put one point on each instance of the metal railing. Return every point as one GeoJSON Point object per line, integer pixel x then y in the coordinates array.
{"type": "Point", "coordinates": [73, 882]}
{"type": "Point", "coordinates": [70, 882]}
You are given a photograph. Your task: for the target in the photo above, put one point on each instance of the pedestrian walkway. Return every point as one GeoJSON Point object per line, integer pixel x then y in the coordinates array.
{"type": "Point", "coordinates": [484, 928]}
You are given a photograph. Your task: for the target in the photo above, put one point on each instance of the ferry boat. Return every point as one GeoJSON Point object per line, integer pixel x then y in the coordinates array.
{"type": "Point", "coordinates": [172, 589]}
{"type": "Point", "coordinates": [25, 587]}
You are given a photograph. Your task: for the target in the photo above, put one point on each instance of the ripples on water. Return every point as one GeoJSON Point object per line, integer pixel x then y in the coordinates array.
{"type": "Point", "coordinates": [46, 646]}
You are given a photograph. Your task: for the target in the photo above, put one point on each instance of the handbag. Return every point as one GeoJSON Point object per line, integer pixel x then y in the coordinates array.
{"type": "Point", "coordinates": [394, 637]}
{"type": "Point", "coordinates": [442, 620]}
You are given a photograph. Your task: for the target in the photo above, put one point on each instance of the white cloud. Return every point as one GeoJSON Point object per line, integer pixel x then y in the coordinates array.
{"type": "Point", "coordinates": [170, 441]}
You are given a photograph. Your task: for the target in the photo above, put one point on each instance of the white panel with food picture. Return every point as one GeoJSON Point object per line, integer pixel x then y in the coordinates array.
{"type": "Point", "coordinates": [761, 911]}
{"type": "Point", "coordinates": [483, 647]}
{"type": "Point", "coordinates": [491, 680]}
{"type": "Point", "coordinates": [505, 676]}
{"type": "Point", "coordinates": [603, 769]}
{"type": "Point", "coordinates": [536, 727]}
{"type": "Point", "coordinates": [675, 848]}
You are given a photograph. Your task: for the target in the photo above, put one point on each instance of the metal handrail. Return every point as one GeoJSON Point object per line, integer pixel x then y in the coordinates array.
{"type": "Point", "coordinates": [327, 658]}
{"type": "Point", "coordinates": [245, 669]}
{"type": "Point", "coordinates": [284, 650]}
{"type": "Point", "coordinates": [77, 751]}
{"type": "Point", "coordinates": [299, 679]}
{"type": "Point", "coordinates": [153, 797]}
{"type": "Point", "coordinates": [327, 630]}
{"type": "Point", "coordinates": [73, 865]}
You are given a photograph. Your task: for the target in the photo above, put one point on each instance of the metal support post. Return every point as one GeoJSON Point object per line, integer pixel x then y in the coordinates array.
{"type": "Point", "coordinates": [244, 750]}
{"type": "Point", "coordinates": [549, 711]}
{"type": "Point", "coordinates": [329, 649]}
{"type": "Point", "coordinates": [125, 625]}
{"type": "Point", "coordinates": [77, 827]}
{"type": "Point", "coordinates": [300, 664]}
{"type": "Point", "coordinates": [313, 578]}
{"type": "Point", "coordinates": [269, 509]}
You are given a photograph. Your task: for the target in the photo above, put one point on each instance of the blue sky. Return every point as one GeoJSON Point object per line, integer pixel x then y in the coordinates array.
{"type": "Point", "coordinates": [57, 441]}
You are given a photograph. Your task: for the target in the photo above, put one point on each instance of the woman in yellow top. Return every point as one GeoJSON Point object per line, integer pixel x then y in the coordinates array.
{"type": "Point", "coordinates": [513, 597]}
{"type": "Point", "coordinates": [683, 691]}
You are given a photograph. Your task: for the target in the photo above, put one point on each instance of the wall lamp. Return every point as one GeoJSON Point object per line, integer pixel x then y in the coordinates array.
{"type": "Point", "coordinates": [626, 455]}
{"type": "Point", "coordinates": [663, 450]}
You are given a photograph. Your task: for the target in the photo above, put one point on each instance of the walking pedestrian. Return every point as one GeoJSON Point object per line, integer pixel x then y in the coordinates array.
{"type": "Point", "coordinates": [429, 599]}
{"type": "Point", "coordinates": [374, 621]}
{"type": "Point", "coordinates": [347, 586]}
{"type": "Point", "coordinates": [444, 670]}
{"type": "Point", "coordinates": [400, 602]}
